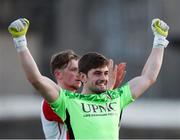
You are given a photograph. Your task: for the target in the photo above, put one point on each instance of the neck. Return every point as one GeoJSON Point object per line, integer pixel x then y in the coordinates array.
{"type": "Point", "coordinates": [85, 91]}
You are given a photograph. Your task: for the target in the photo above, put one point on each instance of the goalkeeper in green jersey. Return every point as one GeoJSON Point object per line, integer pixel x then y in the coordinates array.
{"type": "Point", "coordinates": [95, 113]}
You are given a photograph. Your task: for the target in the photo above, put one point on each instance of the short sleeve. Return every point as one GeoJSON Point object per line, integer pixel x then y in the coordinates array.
{"type": "Point", "coordinates": [59, 105]}
{"type": "Point", "coordinates": [125, 96]}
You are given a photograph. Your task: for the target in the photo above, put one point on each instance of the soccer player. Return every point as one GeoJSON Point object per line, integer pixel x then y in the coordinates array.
{"type": "Point", "coordinates": [64, 68]}
{"type": "Point", "coordinates": [95, 113]}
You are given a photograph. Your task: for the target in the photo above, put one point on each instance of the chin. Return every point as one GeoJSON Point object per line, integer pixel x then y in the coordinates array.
{"type": "Point", "coordinates": [102, 89]}
{"type": "Point", "coordinates": [77, 86]}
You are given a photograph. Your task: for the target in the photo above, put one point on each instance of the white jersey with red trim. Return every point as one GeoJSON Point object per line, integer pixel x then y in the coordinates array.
{"type": "Point", "coordinates": [53, 127]}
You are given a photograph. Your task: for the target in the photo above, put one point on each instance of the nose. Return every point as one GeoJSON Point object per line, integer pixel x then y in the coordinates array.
{"type": "Point", "coordinates": [104, 77]}
{"type": "Point", "coordinates": [78, 75]}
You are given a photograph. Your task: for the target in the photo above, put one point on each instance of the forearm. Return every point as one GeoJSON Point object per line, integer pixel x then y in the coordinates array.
{"type": "Point", "coordinates": [48, 89]}
{"type": "Point", "coordinates": [153, 65]}
{"type": "Point", "coordinates": [29, 66]}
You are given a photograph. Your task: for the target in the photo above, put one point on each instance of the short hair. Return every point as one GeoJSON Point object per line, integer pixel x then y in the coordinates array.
{"type": "Point", "coordinates": [60, 60]}
{"type": "Point", "coordinates": [92, 60]}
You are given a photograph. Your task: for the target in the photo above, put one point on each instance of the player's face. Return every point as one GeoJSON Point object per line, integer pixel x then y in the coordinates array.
{"type": "Point", "coordinates": [97, 79]}
{"type": "Point", "coordinates": [71, 75]}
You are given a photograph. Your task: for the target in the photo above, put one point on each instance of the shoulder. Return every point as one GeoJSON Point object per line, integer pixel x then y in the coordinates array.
{"type": "Point", "coordinates": [119, 91]}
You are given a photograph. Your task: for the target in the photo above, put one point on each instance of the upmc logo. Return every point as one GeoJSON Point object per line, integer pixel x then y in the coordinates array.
{"type": "Point", "coordinates": [91, 108]}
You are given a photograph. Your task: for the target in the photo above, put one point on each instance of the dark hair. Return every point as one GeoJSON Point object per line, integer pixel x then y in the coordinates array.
{"type": "Point", "coordinates": [60, 60]}
{"type": "Point", "coordinates": [92, 60]}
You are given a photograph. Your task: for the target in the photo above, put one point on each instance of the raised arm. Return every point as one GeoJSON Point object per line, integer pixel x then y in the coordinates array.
{"type": "Point", "coordinates": [149, 74]}
{"type": "Point", "coordinates": [48, 89]}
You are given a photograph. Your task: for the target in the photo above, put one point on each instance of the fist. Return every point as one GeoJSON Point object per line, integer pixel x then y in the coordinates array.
{"type": "Point", "coordinates": [18, 27]}
{"type": "Point", "coordinates": [159, 27]}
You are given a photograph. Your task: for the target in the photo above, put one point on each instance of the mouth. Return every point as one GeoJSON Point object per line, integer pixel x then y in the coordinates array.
{"type": "Point", "coordinates": [102, 85]}
{"type": "Point", "coordinates": [78, 81]}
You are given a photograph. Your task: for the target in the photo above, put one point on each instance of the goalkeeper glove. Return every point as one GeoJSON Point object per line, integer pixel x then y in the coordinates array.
{"type": "Point", "coordinates": [160, 31]}
{"type": "Point", "coordinates": [18, 30]}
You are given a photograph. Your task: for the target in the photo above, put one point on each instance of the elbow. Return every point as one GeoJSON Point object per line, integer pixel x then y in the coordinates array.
{"type": "Point", "coordinates": [152, 80]}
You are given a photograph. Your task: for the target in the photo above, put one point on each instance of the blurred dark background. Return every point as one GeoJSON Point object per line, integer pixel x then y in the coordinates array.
{"type": "Point", "coordinates": [119, 29]}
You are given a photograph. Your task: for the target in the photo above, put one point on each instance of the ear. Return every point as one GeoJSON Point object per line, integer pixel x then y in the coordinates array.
{"type": "Point", "coordinates": [83, 77]}
{"type": "Point", "coordinates": [58, 74]}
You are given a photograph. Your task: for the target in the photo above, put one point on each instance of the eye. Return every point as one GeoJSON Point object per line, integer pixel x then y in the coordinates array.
{"type": "Point", "coordinates": [106, 73]}
{"type": "Point", "coordinates": [97, 73]}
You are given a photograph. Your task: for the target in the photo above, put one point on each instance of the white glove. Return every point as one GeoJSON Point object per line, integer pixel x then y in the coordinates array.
{"type": "Point", "coordinates": [18, 30]}
{"type": "Point", "coordinates": [160, 31]}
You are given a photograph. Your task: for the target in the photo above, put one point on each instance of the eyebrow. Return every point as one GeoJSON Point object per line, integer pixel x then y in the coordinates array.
{"type": "Point", "coordinates": [73, 68]}
{"type": "Point", "coordinates": [100, 71]}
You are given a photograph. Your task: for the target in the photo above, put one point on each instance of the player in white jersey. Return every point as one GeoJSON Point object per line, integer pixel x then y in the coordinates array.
{"type": "Point", "coordinates": [66, 75]}
{"type": "Point", "coordinates": [52, 125]}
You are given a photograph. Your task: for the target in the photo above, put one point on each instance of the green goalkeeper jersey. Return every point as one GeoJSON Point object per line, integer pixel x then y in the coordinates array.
{"type": "Point", "coordinates": [92, 116]}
